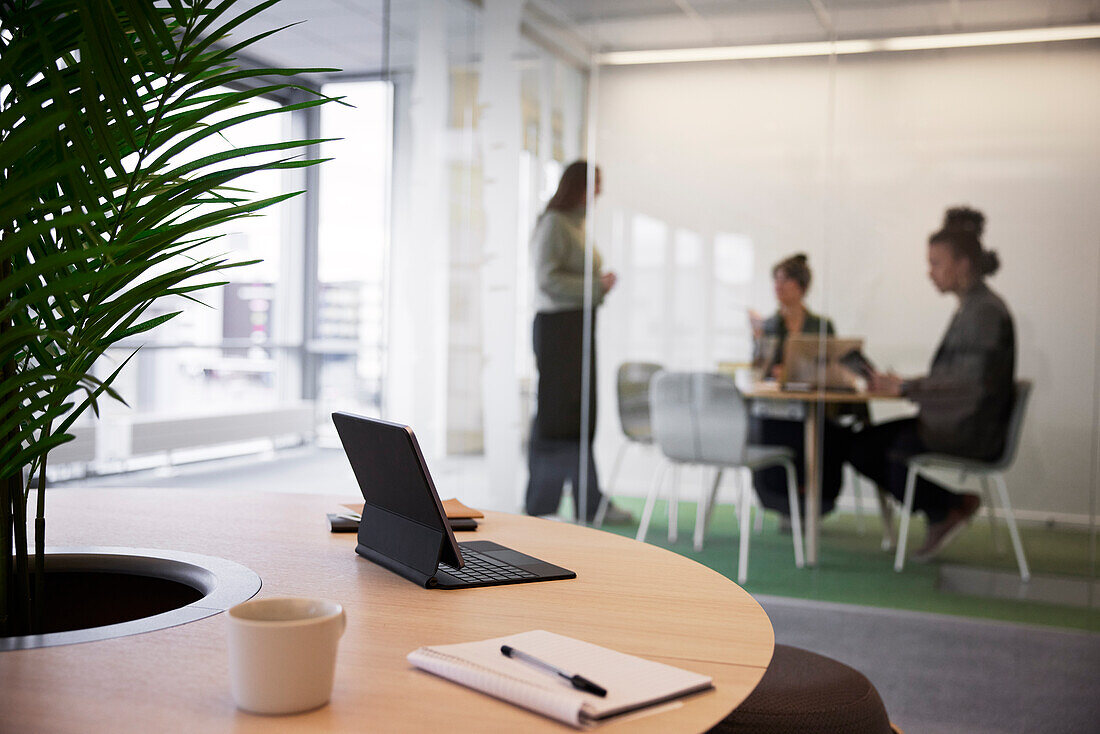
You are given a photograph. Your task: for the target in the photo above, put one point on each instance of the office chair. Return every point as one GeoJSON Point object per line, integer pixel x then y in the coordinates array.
{"type": "Point", "coordinates": [701, 419]}
{"type": "Point", "coordinates": [632, 390]}
{"type": "Point", "coordinates": [984, 470]}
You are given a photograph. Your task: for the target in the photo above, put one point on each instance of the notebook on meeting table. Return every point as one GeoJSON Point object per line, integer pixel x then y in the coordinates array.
{"type": "Point", "coordinates": [631, 682]}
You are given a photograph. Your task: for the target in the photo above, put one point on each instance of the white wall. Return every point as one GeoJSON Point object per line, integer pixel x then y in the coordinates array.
{"type": "Point", "coordinates": [691, 153]}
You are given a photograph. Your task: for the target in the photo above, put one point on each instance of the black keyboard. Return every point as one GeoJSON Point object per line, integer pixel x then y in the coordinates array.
{"type": "Point", "coordinates": [480, 568]}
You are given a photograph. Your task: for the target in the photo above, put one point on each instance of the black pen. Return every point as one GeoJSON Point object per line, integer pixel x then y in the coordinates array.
{"type": "Point", "coordinates": [578, 681]}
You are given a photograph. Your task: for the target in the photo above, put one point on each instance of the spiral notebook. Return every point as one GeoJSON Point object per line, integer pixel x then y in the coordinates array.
{"type": "Point", "coordinates": [631, 682]}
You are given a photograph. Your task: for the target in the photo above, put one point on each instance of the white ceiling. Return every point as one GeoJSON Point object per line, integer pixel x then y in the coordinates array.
{"type": "Point", "coordinates": [350, 34]}
{"type": "Point", "coordinates": [614, 25]}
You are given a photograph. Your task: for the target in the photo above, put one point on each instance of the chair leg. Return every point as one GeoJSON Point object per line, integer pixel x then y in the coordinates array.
{"type": "Point", "coordinates": [796, 515]}
{"type": "Point", "coordinates": [889, 535]}
{"type": "Point", "coordinates": [743, 552]}
{"type": "Point", "coordinates": [702, 512]}
{"type": "Point", "coordinates": [1013, 532]}
{"type": "Point", "coordinates": [906, 514]}
{"type": "Point", "coordinates": [739, 477]}
{"type": "Point", "coordinates": [674, 505]}
{"type": "Point", "coordinates": [998, 543]}
{"type": "Point", "coordinates": [714, 496]}
{"type": "Point", "coordinates": [616, 466]}
{"type": "Point", "coordinates": [647, 512]}
{"type": "Point", "coordinates": [601, 511]}
{"type": "Point", "coordinates": [853, 475]}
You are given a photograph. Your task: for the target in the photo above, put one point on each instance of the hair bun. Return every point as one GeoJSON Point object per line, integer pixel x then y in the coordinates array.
{"type": "Point", "coordinates": [795, 268]}
{"type": "Point", "coordinates": [965, 219]}
{"type": "Point", "coordinates": [988, 262]}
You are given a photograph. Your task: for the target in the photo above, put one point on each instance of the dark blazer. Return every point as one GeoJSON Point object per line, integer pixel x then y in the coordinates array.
{"type": "Point", "coordinates": [967, 396]}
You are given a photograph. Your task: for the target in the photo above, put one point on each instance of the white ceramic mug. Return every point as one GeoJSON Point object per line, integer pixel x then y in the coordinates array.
{"type": "Point", "coordinates": [282, 653]}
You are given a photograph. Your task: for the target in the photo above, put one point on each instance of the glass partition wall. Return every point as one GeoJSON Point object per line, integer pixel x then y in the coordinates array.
{"type": "Point", "coordinates": [1003, 130]}
{"type": "Point", "coordinates": [398, 283]}
{"type": "Point", "coordinates": [403, 283]}
{"type": "Point", "coordinates": [714, 216]}
{"type": "Point", "coordinates": [716, 172]}
{"type": "Point", "coordinates": [486, 113]}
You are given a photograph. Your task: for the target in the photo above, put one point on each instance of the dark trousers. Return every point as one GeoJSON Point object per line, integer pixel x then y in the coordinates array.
{"type": "Point", "coordinates": [880, 452]}
{"type": "Point", "coordinates": [771, 483]}
{"type": "Point", "coordinates": [554, 451]}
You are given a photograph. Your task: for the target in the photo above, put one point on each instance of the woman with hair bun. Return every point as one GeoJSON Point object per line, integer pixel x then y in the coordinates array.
{"type": "Point", "coordinates": [781, 422]}
{"type": "Point", "coordinates": [965, 399]}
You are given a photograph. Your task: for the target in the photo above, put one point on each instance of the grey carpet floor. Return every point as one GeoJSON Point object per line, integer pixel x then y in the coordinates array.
{"type": "Point", "coordinates": [947, 675]}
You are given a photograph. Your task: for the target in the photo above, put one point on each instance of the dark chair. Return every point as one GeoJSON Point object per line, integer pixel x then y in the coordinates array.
{"type": "Point", "coordinates": [809, 693]}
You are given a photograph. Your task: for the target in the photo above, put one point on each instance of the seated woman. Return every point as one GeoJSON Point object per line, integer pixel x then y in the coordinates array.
{"type": "Point", "coordinates": [782, 423]}
{"type": "Point", "coordinates": [966, 398]}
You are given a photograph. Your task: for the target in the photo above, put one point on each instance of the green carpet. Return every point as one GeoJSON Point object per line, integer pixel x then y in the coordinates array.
{"type": "Point", "coordinates": [852, 569]}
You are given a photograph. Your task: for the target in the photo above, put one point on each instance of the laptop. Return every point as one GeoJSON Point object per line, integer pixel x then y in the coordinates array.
{"type": "Point", "coordinates": [819, 363]}
{"type": "Point", "coordinates": [404, 527]}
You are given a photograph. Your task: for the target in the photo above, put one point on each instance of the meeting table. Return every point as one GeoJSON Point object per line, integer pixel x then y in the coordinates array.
{"type": "Point", "coordinates": [814, 401]}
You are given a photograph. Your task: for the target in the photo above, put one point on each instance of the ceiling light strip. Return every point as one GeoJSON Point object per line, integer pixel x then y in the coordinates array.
{"type": "Point", "coordinates": [853, 46]}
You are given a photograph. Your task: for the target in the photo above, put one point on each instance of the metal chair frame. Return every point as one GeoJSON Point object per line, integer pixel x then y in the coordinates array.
{"type": "Point", "coordinates": [984, 471]}
{"type": "Point", "coordinates": [701, 419]}
{"type": "Point", "coordinates": [632, 392]}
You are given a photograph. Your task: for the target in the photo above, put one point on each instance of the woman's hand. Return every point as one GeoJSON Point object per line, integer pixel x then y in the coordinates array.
{"type": "Point", "coordinates": [756, 321]}
{"type": "Point", "coordinates": [886, 384]}
{"type": "Point", "coordinates": [607, 281]}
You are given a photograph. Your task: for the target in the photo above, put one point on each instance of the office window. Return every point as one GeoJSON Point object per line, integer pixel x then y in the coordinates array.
{"type": "Point", "coordinates": [225, 351]}
{"type": "Point", "coordinates": [348, 344]}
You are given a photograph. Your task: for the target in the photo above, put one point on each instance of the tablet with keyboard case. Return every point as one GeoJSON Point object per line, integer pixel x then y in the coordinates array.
{"type": "Point", "coordinates": [404, 527]}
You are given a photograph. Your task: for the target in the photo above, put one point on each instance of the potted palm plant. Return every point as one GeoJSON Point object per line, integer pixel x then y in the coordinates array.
{"type": "Point", "coordinates": [103, 213]}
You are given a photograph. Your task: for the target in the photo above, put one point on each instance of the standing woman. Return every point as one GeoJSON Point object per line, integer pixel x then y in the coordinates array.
{"type": "Point", "coordinates": [967, 395]}
{"type": "Point", "coordinates": [558, 254]}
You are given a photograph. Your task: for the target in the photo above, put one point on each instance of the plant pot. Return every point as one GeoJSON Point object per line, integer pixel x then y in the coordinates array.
{"type": "Point", "coordinates": [99, 593]}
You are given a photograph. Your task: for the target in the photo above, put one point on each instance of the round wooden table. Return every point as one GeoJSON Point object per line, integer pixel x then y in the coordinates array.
{"type": "Point", "coordinates": [628, 596]}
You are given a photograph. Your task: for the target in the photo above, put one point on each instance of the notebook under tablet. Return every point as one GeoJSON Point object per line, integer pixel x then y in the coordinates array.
{"type": "Point", "coordinates": [404, 527]}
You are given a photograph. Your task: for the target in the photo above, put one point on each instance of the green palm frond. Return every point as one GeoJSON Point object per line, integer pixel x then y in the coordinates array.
{"type": "Point", "coordinates": [104, 206]}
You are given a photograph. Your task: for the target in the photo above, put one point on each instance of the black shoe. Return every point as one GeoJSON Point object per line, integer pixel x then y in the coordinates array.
{"type": "Point", "coordinates": [617, 516]}
{"type": "Point", "coordinates": [940, 534]}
